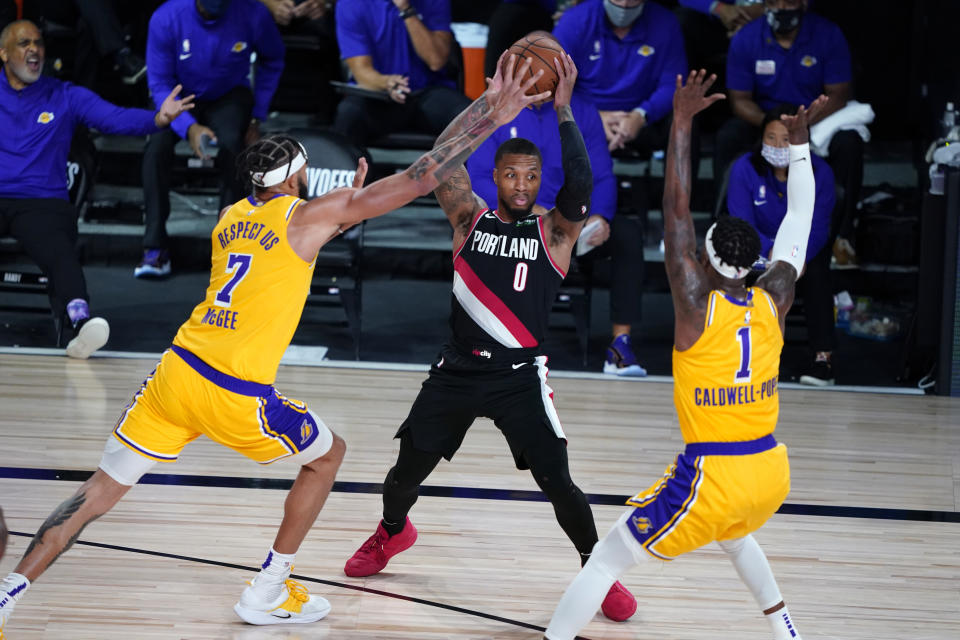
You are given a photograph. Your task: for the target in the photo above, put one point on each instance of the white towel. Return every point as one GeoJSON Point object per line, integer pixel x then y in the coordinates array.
{"type": "Point", "coordinates": [855, 116]}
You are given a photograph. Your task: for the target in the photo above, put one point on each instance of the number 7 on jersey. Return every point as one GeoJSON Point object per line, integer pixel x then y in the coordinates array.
{"type": "Point", "coordinates": [239, 265]}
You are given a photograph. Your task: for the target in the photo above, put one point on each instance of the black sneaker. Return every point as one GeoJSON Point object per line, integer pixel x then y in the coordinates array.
{"type": "Point", "coordinates": [130, 66]}
{"type": "Point", "coordinates": [820, 374]}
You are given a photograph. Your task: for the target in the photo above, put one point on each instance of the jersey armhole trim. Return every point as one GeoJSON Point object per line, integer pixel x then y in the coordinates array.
{"type": "Point", "coordinates": [546, 248]}
{"type": "Point", "coordinates": [469, 233]}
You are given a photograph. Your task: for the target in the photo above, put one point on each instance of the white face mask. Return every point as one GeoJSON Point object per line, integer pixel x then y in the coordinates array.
{"type": "Point", "coordinates": [777, 156]}
{"type": "Point", "coordinates": [622, 16]}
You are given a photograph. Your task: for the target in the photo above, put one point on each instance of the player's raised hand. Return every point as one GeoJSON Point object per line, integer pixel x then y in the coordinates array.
{"type": "Point", "coordinates": [567, 73]}
{"type": "Point", "coordinates": [798, 126]}
{"type": "Point", "coordinates": [692, 98]}
{"type": "Point", "coordinates": [507, 93]}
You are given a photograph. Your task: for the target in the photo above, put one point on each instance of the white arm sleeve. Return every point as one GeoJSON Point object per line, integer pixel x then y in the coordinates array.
{"type": "Point", "coordinates": [790, 244]}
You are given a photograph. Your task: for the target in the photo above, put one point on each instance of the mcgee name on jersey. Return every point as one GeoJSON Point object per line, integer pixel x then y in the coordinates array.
{"type": "Point", "coordinates": [505, 246]}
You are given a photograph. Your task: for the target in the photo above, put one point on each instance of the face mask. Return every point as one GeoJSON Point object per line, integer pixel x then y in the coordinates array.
{"type": "Point", "coordinates": [622, 16]}
{"type": "Point", "coordinates": [777, 156]}
{"type": "Point", "coordinates": [784, 20]}
{"type": "Point", "coordinates": [215, 8]}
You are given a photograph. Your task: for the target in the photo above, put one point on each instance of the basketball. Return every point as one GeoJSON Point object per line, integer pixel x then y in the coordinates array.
{"type": "Point", "coordinates": [541, 48]}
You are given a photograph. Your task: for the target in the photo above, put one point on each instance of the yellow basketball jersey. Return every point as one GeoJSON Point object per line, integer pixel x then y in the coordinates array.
{"type": "Point", "coordinates": [725, 385]}
{"type": "Point", "coordinates": [258, 286]}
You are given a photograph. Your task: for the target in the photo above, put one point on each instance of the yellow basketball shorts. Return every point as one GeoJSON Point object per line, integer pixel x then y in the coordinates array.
{"type": "Point", "coordinates": [184, 398]}
{"type": "Point", "coordinates": [710, 493]}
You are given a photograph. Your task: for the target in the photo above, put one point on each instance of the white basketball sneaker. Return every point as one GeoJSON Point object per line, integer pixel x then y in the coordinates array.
{"type": "Point", "coordinates": [294, 605]}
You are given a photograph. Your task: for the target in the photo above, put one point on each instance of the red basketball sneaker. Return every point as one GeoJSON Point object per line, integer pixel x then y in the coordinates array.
{"type": "Point", "coordinates": [619, 603]}
{"type": "Point", "coordinates": [372, 556]}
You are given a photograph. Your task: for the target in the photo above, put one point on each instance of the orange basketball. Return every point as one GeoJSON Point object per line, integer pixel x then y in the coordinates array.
{"type": "Point", "coordinates": [541, 48]}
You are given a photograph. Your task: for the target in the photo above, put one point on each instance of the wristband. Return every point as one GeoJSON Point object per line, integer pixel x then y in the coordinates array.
{"type": "Point", "coordinates": [409, 12]}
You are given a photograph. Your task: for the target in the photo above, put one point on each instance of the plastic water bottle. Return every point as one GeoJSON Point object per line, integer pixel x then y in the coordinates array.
{"type": "Point", "coordinates": [949, 120]}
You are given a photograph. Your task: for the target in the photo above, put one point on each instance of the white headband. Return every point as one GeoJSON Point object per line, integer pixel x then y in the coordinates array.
{"type": "Point", "coordinates": [276, 176]}
{"type": "Point", "coordinates": [726, 270]}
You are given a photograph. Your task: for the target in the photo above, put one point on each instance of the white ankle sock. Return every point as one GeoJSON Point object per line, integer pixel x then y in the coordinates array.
{"type": "Point", "coordinates": [782, 625]}
{"type": "Point", "coordinates": [14, 586]}
{"type": "Point", "coordinates": [274, 570]}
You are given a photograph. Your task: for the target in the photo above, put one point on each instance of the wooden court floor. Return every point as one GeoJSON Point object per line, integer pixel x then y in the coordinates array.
{"type": "Point", "coordinates": [866, 547]}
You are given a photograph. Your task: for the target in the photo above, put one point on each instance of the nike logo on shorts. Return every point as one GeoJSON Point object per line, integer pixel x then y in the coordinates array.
{"type": "Point", "coordinates": [517, 366]}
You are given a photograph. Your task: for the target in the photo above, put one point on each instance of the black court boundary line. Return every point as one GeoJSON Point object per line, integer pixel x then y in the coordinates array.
{"type": "Point", "coordinates": [241, 482]}
{"type": "Point", "coordinates": [297, 576]}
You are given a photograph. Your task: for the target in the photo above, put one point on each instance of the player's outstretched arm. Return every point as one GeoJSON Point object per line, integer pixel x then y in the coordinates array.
{"type": "Point", "coordinates": [688, 281]}
{"type": "Point", "coordinates": [345, 207]}
{"type": "Point", "coordinates": [565, 221]}
{"type": "Point", "coordinates": [790, 246]}
{"type": "Point", "coordinates": [455, 193]}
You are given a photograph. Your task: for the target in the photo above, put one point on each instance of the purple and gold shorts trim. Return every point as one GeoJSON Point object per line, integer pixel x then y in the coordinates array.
{"type": "Point", "coordinates": [742, 448]}
{"type": "Point", "coordinates": [223, 380]}
{"type": "Point", "coordinates": [289, 423]}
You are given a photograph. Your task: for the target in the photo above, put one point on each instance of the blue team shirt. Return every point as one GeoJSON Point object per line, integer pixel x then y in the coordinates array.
{"type": "Point", "coordinates": [374, 28]}
{"type": "Point", "coordinates": [211, 57]}
{"type": "Point", "coordinates": [621, 75]}
{"type": "Point", "coordinates": [774, 75]}
{"type": "Point", "coordinates": [540, 127]}
{"type": "Point", "coordinates": [761, 200]}
{"type": "Point", "coordinates": [37, 124]}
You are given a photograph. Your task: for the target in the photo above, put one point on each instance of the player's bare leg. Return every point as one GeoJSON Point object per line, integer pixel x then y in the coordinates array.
{"type": "Point", "coordinates": [57, 534]}
{"type": "Point", "coordinates": [272, 597]}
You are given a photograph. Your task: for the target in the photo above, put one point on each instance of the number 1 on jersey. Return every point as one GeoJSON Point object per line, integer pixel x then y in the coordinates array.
{"type": "Point", "coordinates": [238, 264]}
{"type": "Point", "coordinates": [743, 337]}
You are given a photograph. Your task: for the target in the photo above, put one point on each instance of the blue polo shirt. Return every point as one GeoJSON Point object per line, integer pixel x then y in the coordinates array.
{"type": "Point", "coordinates": [37, 124]}
{"type": "Point", "coordinates": [540, 127]}
{"type": "Point", "coordinates": [211, 57]}
{"type": "Point", "coordinates": [758, 64]}
{"type": "Point", "coordinates": [761, 200]}
{"type": "Point", "coordinates": [374, 28]}
{"type": "Point", "coordinates": [621, 75]}
{"type": "Point", "coordinates": [703, 6]}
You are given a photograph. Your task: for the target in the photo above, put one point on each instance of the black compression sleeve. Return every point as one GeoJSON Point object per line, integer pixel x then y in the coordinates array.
{"type": "Point", "coordinates": [573, 200]}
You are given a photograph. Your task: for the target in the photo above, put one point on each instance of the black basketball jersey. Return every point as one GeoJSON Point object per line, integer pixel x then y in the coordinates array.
{"type": "Point", "coordinates": [504, 283]}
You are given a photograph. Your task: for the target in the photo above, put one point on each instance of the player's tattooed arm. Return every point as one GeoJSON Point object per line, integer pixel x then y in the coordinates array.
{"type": "Point", "coordinates": [688, 280]}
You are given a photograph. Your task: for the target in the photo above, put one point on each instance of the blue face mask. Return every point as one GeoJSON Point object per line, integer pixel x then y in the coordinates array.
{"type": "Point", "coordinates": [622, 16]}
{"type": "Point", "coordinates": [215, 8]}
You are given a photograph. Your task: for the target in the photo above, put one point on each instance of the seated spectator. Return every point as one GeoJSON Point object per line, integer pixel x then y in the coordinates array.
{"type": "Point", "coordinates": [313, 19]}
{"type": "Point", "coordinates": [99, 33]}
{"type": "Point", "coordinates": [757, 193]}
{"type": "Point", "coordinates": [792, 57]}
{"type": "Point", "coordinates": [399, 49]}
{"type": "Point", "coordinates": [511, 20]}
{"type": "Point", "coordinates": [619, 236]}
{"type": "Point", "coordinates": [628, 54]}
{"type": "Point", "coordinates": [39, 115]}
{"type": "Point", "coordinates": [205, 45]}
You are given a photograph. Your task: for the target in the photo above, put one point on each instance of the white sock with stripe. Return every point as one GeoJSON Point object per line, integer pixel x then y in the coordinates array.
{"type": "Point", "coordinates": [273, 572]}
{"type": "Point", "coordinates": [752, 566]}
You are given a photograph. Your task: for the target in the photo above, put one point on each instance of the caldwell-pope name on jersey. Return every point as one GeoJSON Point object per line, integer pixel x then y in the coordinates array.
{"type": "Point", "coordinates": [736, 395]}
{"type": "Point", "coordinates": [505, 246]}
